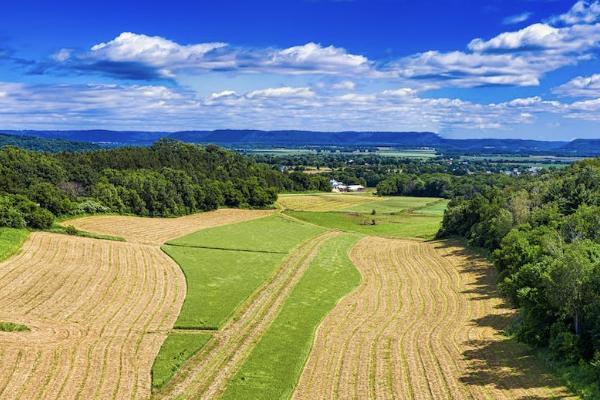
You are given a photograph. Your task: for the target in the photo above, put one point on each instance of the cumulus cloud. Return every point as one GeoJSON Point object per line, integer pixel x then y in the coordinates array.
{"type": "Point", "coordinates": [581, 86]}
{"type": "Point", "coordinates": [138, 56]}
{"type": "Point", "coordinates": [582, 12]}
{"type": "Point", "coordinates": [516, 19]}
{"type": "Point", "coordinates": [516, 58]}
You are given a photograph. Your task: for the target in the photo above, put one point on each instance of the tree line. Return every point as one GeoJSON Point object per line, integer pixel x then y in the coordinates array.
{"type": "Point", "coordinates": [169, 178]}
{"type": "Point", "coordinates": [544, 237]}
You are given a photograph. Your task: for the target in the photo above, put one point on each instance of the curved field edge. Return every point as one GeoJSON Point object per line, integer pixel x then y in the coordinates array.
{"type": "Point", "coordinates": [276, 362]}
{"type": "Point", "coordinates": [221, 281]}
{"type": "Point", "coordinates": [11, 241]}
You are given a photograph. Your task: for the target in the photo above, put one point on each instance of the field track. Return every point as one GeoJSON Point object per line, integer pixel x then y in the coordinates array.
{"type": "Point", "coordinates": [159, 230]}
{"type": "Point", "coordinates": [98, 312]}
{"type": "Point", "coordinates": [424, 324]}
{"type": "Point", "coordinates": [207, 373]}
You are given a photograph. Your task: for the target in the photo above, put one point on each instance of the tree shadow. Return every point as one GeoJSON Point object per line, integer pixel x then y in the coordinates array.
{"type": "Point", "coordinates": [499, 361]}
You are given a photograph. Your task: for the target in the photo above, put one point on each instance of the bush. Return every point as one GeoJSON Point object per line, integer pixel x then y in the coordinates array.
{"type": "Point", "coordinates": [91, 207]}
{"type": "Point", "coordinates": [40, 219]}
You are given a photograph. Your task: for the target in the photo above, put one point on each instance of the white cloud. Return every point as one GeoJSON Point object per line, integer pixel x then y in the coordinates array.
{"type": "Point", "coordinates": [581, 86]}
{"type": "Point", "coordinates": [164, 108]}
{"type": "Point", "coordinates": [582, 12]}
{"type": "Point", "coordinates": [169, 58]}
{"type": "Point", "coordinates": [62, 55]}
{"type": "Point", "coordinates": [344, 85]}
{"type": "Point", "coordinates": [469, 69]}
{"type": "Point", "coordinates": [154, 51]}
{"type": "Point", "coordinates": [285, 91]}
{"type": "Point", "coordinates": [516, 19]}
{"type": "Point", "coordinates": [314, 58]}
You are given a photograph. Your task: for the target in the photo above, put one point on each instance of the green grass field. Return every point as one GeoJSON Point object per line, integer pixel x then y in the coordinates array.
{"type": "Point", "coordinates": [403, 225]}
{"type": "Point", "coordinates": [393, 204]}
{"type": "Point", "coordinates": [178, 347]}
{"type": "Point", "coordinates": [274, 366]}
{"type": "Point", "coordinates": [11, 241]}
{"type": "Point", "coordinates": [270, 234]}
{"type": "Point", "coordinates": [219, 279]}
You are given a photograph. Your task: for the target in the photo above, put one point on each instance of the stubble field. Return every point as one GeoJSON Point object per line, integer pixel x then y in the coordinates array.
{"type": "Point", "coordinates": [425, 323]}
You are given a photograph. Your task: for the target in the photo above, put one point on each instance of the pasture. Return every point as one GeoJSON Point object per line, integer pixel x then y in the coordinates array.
{"type": "Point", "coordinates": [223, 266]}
{"type": "Point", "coordinates": [276, 362]}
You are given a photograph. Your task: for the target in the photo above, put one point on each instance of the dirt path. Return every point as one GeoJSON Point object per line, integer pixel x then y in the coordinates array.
{"type": "Point", "coordinates": [156, 231]}
{"type": "Point", "coordinates": [206, 374]}
{"type": "Point", "coordinates": [424, 324]}
{"type": "Point", "coordinates": [98, 312]}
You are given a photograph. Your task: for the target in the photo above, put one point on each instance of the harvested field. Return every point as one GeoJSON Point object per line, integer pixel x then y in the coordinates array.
{"type": "Point", "coordinates": [324, 202]}
{"type": "Point", "coordinates": [159, 230]}
{"type": "Point", "coordinates": [206, 374]}
{"type": "Point", "coordinates": [425, 323]}
{"type": "Point", "coordinates": [98, 313]}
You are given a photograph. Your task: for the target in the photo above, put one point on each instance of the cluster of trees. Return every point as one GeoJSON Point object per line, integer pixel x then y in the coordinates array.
{"type": "Point", "coordinates": [440, 184]}
{"type": "Point", "coordinates": [169, 178]}
{"type": "Point", "coordinates": [544, 235]}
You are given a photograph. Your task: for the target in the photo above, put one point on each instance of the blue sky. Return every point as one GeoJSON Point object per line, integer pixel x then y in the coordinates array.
{"type": "Point", "coordinates": [499, 68]}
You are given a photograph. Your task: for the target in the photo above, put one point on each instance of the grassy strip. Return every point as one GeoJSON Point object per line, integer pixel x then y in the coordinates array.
{"type": "Point", "coordinates": [71, 230]}
{"type": "Point", "coordinates": [178, 347]}
{"type": "Point", "coordinates": [218, 282]}
{"type": "Point", "coordinates": [11, 241]}
{"type": "Point", "coordinates": [275, 364]}
{"type": "Point", "coordinates": [12, 327]}
{"type": "Point", "coordinates": [273, 234]}
{"type": "Point", "coordinates": [403, 225]}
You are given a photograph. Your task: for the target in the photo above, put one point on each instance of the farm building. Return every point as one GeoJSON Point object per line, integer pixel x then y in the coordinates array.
{"type": "Point", "coordinates": [355, 188]}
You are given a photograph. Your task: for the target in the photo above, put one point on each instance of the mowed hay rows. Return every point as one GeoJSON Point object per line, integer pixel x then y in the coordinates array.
{"type": "Point", "coordinates": [98, 312]}
{"type": "Point", "coordinates": [207, 373]}
{"type": "Point", "coordinates": [324, 202]}
{"type": "Point", "coordinates": [424, 324]}
{"type": "Point", "coordinates": [159, 230]}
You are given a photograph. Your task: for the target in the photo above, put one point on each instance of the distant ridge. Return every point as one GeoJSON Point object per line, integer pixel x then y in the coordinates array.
{"type": "Point", "coordinates": [298, 139]}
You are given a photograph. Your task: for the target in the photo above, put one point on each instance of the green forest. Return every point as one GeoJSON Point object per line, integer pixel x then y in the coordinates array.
{"type": "Point", "coordinates": [167, 179]}
{"type": "Point", "coordinates": [543, 233]}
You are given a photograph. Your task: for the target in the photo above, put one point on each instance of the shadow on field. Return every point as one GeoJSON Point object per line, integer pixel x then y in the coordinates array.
{"type": "Point", "coordinates": [497, 361]}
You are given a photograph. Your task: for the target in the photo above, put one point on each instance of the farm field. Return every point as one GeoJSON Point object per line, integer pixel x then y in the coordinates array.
{"type": "Point", "coordinates": [274, 366]}
{"type": "Point", "coordinates": [425, 323]}
{"type": "Point", "coordinates": [207, 373]}
{"type": "Point", "coordinates": [415, 226]}
{"type": "Point", "coordinates": [97, 312]}
{"type": "Point", "coordinates": [300, 304]}
{"type": "Point", "coordinates": [220, 279]}
{"type": "Point", "coordinates": [394, 216]}
{"type": "Point", "coordinates": [156, 231]}
{"type": "Point", "coordinates": [324, 202]}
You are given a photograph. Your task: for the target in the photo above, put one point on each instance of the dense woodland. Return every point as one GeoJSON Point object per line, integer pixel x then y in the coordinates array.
{"type": "Point", "coordinates": [168, 178]}
{"type": "Point", "coordinates": [544, 237]}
